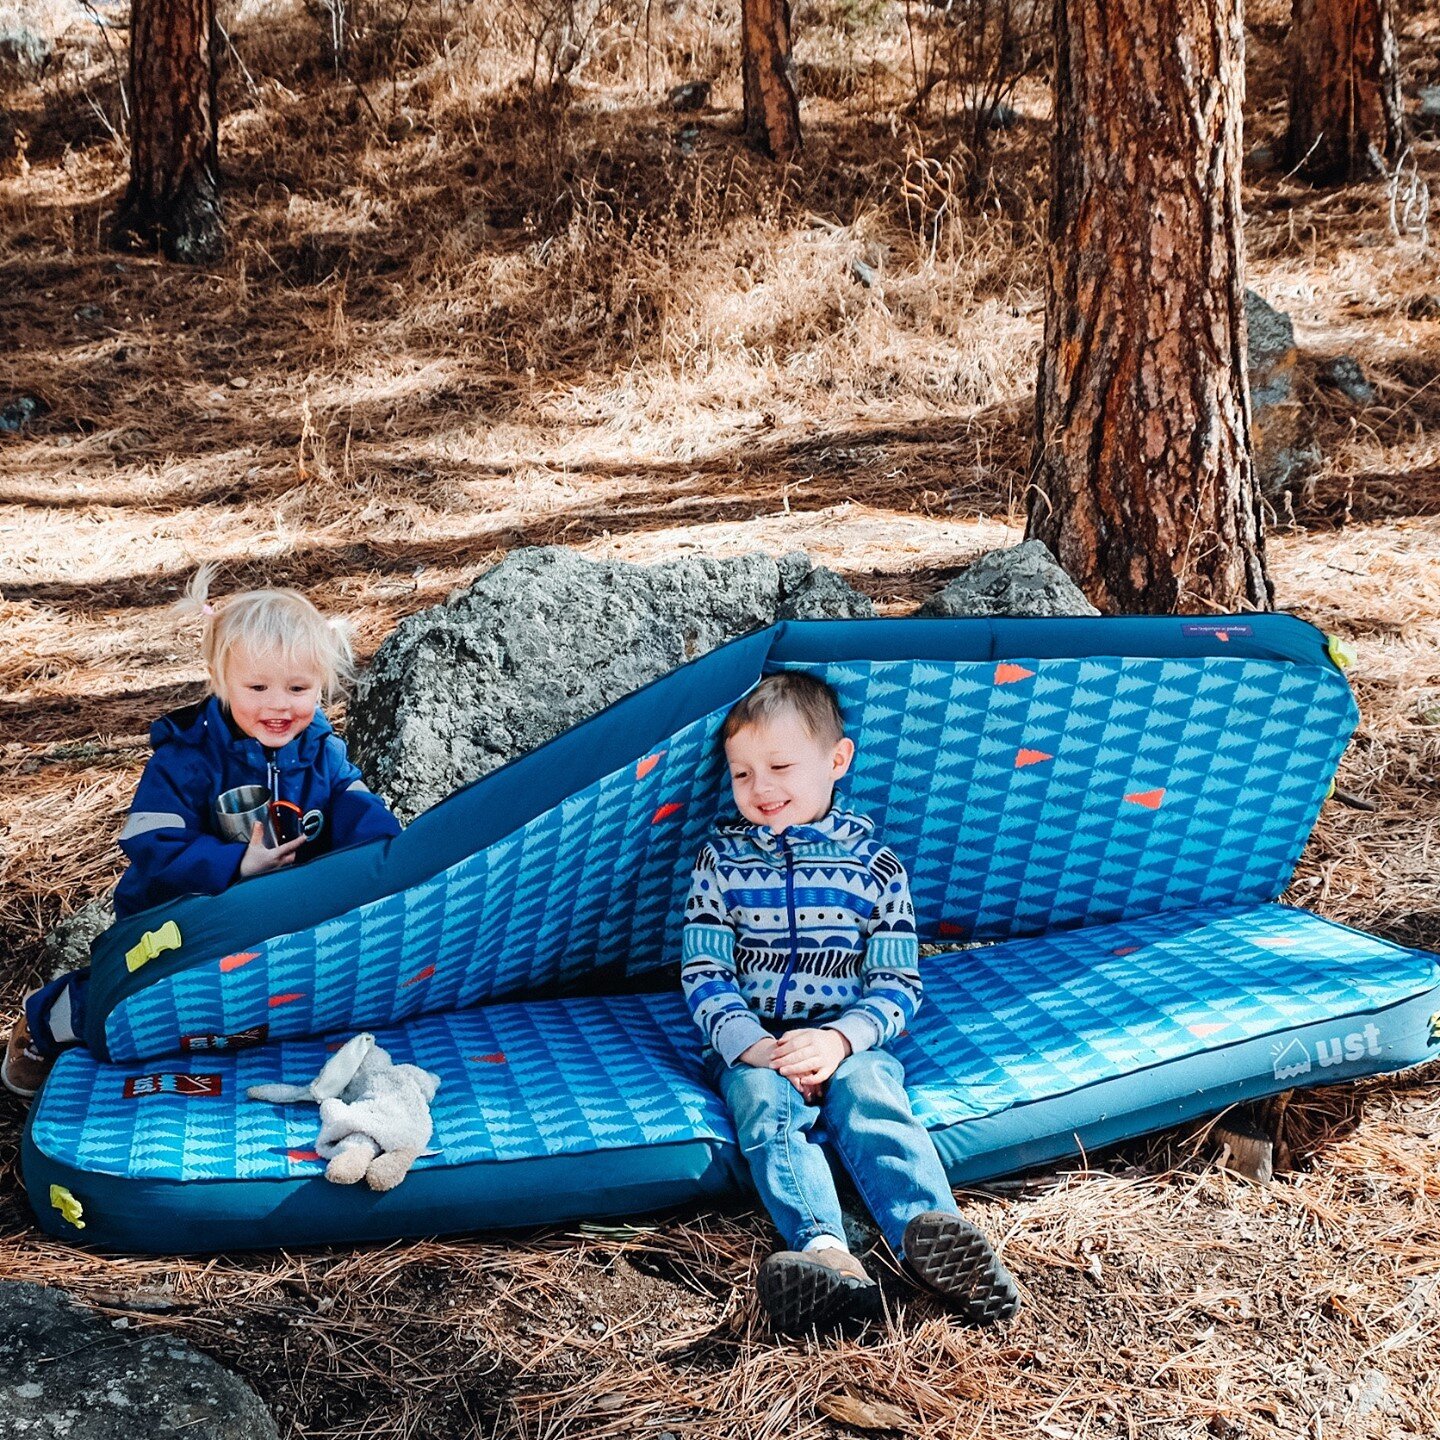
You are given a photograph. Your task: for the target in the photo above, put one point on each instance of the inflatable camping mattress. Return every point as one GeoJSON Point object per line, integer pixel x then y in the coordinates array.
{"type": "Point", "coordinates": [1097, 816]}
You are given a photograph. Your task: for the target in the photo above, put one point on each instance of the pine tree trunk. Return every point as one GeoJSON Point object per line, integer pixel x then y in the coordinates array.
{"type": "Point", "coordinates": [1346, 115]}
{"type": "Point", "coordinates": [1143, 486]}
{"type": "Point", "coordinates": [173, 199]}
{"type": "Point", "coordinates": [772, 112]}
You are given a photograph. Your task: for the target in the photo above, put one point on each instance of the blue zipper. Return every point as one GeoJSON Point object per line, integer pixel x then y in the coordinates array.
{"type": "Point", "coordinates": [794, 938]}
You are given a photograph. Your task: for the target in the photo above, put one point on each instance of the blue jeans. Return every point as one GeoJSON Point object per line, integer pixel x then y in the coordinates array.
{"type": "Point", "coordinates": [866, 1119]}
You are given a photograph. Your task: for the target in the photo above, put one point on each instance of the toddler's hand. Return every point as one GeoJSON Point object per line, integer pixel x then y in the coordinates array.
{"type": "Point", "coordinates": [808, 1058]}
{"type": "Point", "coordinates": [259, 859]}
{"type": "Point", "coordinates": [759, 1053]}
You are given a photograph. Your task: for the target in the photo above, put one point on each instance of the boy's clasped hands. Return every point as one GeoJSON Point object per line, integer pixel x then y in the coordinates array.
{"type": "Point", "coordinates": [807, 1058]}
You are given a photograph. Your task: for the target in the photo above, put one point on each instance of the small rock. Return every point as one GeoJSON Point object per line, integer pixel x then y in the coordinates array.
{"type": "Point", "coordinates": [238, 382]}
{"type": "Point", "coordinates": [998, 116]}
{"type": "Point", "coordinates": [1260, 159]}
{"type": "Point", "coordinates": [1023, 580]}
{"type": "Point", "coordinates": [66, 1372]}
{"type": "Point", "coordinates": [1430, 715]}
{"type": "Point", "coordinates": [692, 95]}
{"type": "Point", "coordinates": [23, 51]}
{"type": "Point", "coordinates": [1369, 1392]}
{"type": "Point", "coordinates": [1430, 102]}
{"type": "Point", "coordinates": [1282, 431]}
{"type": "Point", "coordinates": [1344, 374]}
{"type": "Point", "coordinates": [867, 275]}
{"type": "Point", "coordinates": [687, 139]}
{"type": "Point", "coordinates": [16, 414]}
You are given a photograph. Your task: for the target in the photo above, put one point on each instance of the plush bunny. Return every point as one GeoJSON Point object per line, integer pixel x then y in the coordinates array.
{"type": "Point", "coordinates": [374, 1114]}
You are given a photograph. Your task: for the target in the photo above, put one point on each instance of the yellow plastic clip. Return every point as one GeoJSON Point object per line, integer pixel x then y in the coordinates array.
{"type": "Point", "coordinates": [63, 1201]}
{"type": "Point", "coordinates": [1342, 652]}
{"type": "Point", "coordinates": [1330, 789]}
{"type": "Point", "coordinates": [151, 943]}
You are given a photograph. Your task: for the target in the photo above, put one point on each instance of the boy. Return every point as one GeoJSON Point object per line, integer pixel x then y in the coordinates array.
{"type": "Point", "coordinates": [271, 657]}
{"type": "Point", "coordinates": [799, 965]}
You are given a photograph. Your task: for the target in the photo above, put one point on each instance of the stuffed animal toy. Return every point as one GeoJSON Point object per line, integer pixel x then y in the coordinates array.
{"type": "Point", "coordinates": [374, 1114]}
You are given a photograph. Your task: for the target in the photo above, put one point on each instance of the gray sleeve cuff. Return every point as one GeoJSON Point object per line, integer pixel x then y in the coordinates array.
{"type": "Point", "coordinates": [737, 1036]}
{"type": "Point", "coordinates": [858, 1028]}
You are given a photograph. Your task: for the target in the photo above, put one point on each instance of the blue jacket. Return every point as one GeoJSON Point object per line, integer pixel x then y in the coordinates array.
{"type": "Point", "coordinates": [170, 837]}
{"type": "Point", "coordinates": [810, 926]}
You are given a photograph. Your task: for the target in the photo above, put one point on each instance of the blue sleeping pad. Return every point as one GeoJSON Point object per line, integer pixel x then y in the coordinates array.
{"type": "Point", "coordinates": [1115, 803]}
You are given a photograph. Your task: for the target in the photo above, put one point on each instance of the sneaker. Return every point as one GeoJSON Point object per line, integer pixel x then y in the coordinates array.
{"type": "Point", "coordinates": [805, 1290]}
{"type": "Point", "coordinates": [24, 1068]}
{"type": "Point", "coordinates": [951, 1257]}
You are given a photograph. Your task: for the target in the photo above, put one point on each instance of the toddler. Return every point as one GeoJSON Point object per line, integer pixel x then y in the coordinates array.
{"type": "Point", "coordinates": [799, 965]}
{"type": "Point", "coordinates": [271, 657]}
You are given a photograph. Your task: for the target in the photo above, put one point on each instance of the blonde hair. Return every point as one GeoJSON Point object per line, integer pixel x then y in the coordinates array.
{"type": "Point", "coordinates": [792, 692]}
{"type": "Point", "coordinates": [267, 622]}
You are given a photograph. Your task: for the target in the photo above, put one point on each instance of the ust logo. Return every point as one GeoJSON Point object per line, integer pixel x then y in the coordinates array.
{"type": "Point", "coordinates": [1294, 1059]}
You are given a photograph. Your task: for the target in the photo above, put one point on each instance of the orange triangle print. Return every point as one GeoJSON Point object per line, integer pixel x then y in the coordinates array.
{"type": "Point", "coordinates": [645, 766]}
{"type": "Point", "coordinates": [1203, 1032]}
{"type": "Point", "coordinates": [234, 962]}
{"type": "Point", "coordinates": [665, 812]}
{"type": "Point", "coordinates": [1008, 674]}
{"type": "Point", "coordinates": [1150, 799]}
{"type": "Point", "coordinates": [1031, 757]}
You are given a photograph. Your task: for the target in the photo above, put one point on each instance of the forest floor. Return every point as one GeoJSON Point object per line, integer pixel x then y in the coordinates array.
{"type": "Point", "coordinates": [461, 315]}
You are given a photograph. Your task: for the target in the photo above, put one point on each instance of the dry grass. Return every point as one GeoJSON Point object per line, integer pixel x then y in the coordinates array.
{"type": "Point", "coordinates": [460, 315]}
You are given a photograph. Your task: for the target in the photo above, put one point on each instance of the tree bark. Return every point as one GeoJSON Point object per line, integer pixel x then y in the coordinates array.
{"type": "Point", "coordinates": [1143, 486]}
{"type": "Point", "coordinates": [173, 200]}
{"type": "Point", "coordinates": [772, 112]}
{"type": "Point", "coordinates": [1346, 114]}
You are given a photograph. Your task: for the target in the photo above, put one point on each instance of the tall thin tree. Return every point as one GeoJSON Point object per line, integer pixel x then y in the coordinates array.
{"type": "Point", "coordinates": [172, 202]}
{"type": "Point", "coordinates": [772, 111]}
{"type": "Point", "coordinates": [1346, 115]}
{"type": "Point", "coordinates": [1142, 481]}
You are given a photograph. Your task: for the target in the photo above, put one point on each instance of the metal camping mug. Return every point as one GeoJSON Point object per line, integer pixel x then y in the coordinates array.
{"type": "Point", "coordinates": [237, 810]}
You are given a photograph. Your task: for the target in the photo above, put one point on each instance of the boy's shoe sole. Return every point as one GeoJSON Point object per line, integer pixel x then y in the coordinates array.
{"type": "Point", "coordinates": [955, 1260]}
{"type": "Point", "coordinates": [801, 1294]}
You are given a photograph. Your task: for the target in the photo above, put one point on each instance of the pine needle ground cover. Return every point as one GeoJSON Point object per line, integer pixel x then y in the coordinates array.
{"type": "Point", "coordinates": [464, 311]}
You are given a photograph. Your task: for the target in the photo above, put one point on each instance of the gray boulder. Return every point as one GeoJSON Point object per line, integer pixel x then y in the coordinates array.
{"type": "Point", "coordinates": [544, 640]}
{"type": "Point", "coordinates": [24, 51]}
{"type": "Point", "coordinates": [68, 1372]}
{"type": "Point", "coordinates": [1282, 434]}
{"type": "Point", "coordinates": [67, 946]}
{"type": "Point", "coordinates": [1024, 580]}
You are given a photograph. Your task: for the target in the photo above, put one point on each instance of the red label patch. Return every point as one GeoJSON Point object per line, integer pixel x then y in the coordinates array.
{"type": "Point", "coordinates": [255, 1035]}
{"type": "Point", "coordinates": [188, 1086]}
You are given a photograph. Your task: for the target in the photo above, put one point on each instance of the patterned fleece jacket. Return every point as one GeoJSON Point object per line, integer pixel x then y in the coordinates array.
{"type": "Point", "coordinates": [813, 924]}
